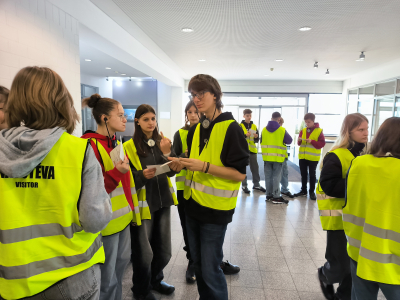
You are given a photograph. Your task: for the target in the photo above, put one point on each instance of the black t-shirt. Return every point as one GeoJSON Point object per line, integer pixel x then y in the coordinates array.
{"type": "Point", "coordinates": [234, 154]}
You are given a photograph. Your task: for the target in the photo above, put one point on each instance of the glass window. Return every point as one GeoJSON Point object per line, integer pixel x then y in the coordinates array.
{"type": "Point", "coordinates": [266, 101]}
{"type": "Point", "coordinates": [397, 108]}
{"type": "Point", "coordinates": [326, 103]}
{"type": "Point", "coordinates": [385, 88]}
{"type": "Point", "coordinates": [352, 101]}
{"type": "Point", "coordinates": [366, 92]}
{"type": "Point", "coordinates": [234, 110]}
{"type": "Point", "coordinates": [331, 124]}
{"type": "Point", "coordinates": [398, 87]}
{"type": "Point", "coordinates": [383, 110]}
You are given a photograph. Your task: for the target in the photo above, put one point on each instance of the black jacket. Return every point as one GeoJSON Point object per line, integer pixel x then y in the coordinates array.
{"type": "Point", "coordinates": [234, 154]}
{"type": "Point", "coordinates": [158, 194]}
{"type": "Point", "coordinates": [331, 180]}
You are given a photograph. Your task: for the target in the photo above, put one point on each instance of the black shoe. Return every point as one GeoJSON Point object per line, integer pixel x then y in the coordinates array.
{"type": "Point", "coordinates": [313, 196]}
{"type": "Point", "coordinates": [269, 198]}
{"type": "Point", "coordinates": [259, 188]}
{"type": "Point", "coordinates": [164, 288]}
{"type": "Point", "coordinates": [300, 194]}
{"type": "Point", "coordinates": [229, 269]}
{"type": "Point", "coordinates": [190, 275]}
{"type": "Point", "coordinates": [289, 194]}
{"type": "Point", "coordinates": [149, 296]}
{"type": "Point", "coordinates": [246, 190]}
{"type": "Point", "coordinates": [279, 200]}
{"type": "Point", "coordinates": [327, 289]}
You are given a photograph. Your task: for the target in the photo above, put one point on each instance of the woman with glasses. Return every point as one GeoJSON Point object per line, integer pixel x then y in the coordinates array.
{"type": "Point", "coordinates": [218, 155]}
{"type": "Point", "coordinates": [119, 184]}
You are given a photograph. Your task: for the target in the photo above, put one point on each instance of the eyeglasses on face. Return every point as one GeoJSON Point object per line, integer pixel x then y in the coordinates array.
{"type": "Point", "coordinates": [199, 95]}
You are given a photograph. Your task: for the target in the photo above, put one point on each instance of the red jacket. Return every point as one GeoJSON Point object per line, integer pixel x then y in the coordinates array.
{"type": "Point", "coordinates": [317, 144]}
{"type": "Point", "coordinates": [112, 177]}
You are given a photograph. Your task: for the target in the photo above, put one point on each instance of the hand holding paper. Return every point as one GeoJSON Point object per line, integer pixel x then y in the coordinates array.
{"type": "Point", "coordinates": [160, 169]}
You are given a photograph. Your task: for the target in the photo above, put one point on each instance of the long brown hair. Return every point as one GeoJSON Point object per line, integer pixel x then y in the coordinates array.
{"type": "Point", "coordinates": [138, 135]}
{"type": "Point", "coordinates": [387, 139]}
{"type": "Point", "coordinates": [350, 122]}
{"type": "Point", "coordinates": [40, 100]}
{"type": "Point", "coordinates": [189, 105]}
{"type": "Point", "coordinates": [206, 83]}
{"type": "Point", "coordinates": [100, 106]}
{"type": "Point", "coordinates": [4, 94]}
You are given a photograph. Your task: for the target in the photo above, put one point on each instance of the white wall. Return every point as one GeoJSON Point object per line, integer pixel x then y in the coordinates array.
{"type": "Point", "coordinates": [164, 106]}
{"type": "Point", "coordinates": [105, 87]}
{"type": "Point", "coordinates": [36, 32]}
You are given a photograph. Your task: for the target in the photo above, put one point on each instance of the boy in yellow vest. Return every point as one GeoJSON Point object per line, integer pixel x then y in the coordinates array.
{"type": "Point", "coordinates": [251, 134]}
{"type": "Point", "coordinates": [311, 141]}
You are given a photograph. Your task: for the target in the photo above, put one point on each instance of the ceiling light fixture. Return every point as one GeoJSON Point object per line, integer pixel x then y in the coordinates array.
{"type": "Point", "coordinates": [187, 29]}
{"type": "Point", "coordinates": [123, 74]}
{"type": "Point", "coordinates": [266, 75]}
{"type": "Point", "coordinates": [87, 59]}
{"type": "Point", "coordinates": [327, 72]}
{"type": "Point", "coordinates": [278, 59]}
{"type": "Point", "coordinates": [362, 57]}
{"type": "Point", "coordinates": [118, 83]}
{"type": "Point", "coordinates": [316, 65]}
{"type": "Point", "coordinates": [305, 28]}
{"type": "Point", "coordinates": [202, 60]}
{"type": "Point", "coordinates": [108, 68]}
{"type": "Point", "coordinates": [116, 72]}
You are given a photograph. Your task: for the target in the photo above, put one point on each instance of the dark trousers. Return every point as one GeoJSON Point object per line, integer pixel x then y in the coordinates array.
{"type": "Point", "coordinates": [205, 241]}
{"type": "Point", "coordinates": [151, 250]}
{"type": "Point", "coordinates": [368, 290]}
{"type": "Point", "coordinates": [308, 167]}
{"type": "Point", "coordinates": [182, 217]}
{"type": "Point", "coordinates": [337, 266]}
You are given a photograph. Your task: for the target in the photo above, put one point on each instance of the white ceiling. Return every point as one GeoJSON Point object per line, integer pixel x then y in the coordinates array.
{"type": "Point", "coordinates": [101, 60]}
{"type": "Point", "coordinates": [240, 39]}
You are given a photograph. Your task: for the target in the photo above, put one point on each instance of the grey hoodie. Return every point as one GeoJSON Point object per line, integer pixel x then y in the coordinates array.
{"type": "Point", "coordinates": [22, 149]}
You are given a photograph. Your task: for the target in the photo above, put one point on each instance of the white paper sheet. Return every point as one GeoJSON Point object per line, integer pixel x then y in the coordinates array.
{"type": "Point", "coordinates": [252, 132]}
{"type": "Point", "coordinates": [117, 154]}
{"type": "Point", "coordinates": [160, 169]}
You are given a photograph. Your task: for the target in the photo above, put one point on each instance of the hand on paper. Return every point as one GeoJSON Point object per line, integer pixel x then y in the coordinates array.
{"type": "Point", "coordinates": [176, 166]}
{"type": "Point", "coordinates": [123, 166]}
{"type": "Point", "coordinates": [308, 141]}
{"type": "Point", "coordinates": [255, 135]}
{"type": "Point", "coordinates": [248, 134]}
{"type": "Point", "coordinates": [192, 164]}
{"type": "Point", "coordinates": [149, 173]}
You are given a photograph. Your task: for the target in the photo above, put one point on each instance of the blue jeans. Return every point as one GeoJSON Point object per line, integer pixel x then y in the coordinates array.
{"type": "Point", "coordinates": [205, 242]}
{"type": "Point", "coordinates": [273, 174]}
{"type": "Point", "coordinates": [368, 290]}
{"type": "Point", "coordinates": [285, 177]}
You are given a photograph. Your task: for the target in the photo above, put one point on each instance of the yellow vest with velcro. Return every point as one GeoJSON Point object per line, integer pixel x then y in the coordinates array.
{"type": "Point", "coordinates": [122, 212]}
{"type": "Point", "coordinates": [272, 146]}
{"type": "Point", "coordinates": [144, 209]}
{"type": "Point", "coordinates": [41, 238]}
{"type": "Point", "coordinates": [181, 176]}
{"type": "Point", "coordinates": [208, 190]}
{"type": "Point", "coordinates": [330, 208]}
{"type": "Point", "coordinates": [307, 150]}
{"type": "Point", "coordinates": [250, 139]}
{"type": "Point", "coordinates": [371, 218]}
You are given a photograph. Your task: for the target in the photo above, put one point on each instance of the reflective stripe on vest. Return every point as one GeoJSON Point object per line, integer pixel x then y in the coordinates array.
{"type": "Point", "coordinates": [41, 239]}
{"type": "Point", "coordinates": [272, 146]}
{"type": "Point", "coordinates": [180, 177]}
{"type": "Point", "coordinates": [330, 208]}
{"type": "Point", "coordinates": [250, 139]}
{"type": "Point", "coordinates": [371, 218]}
{"type": "Point", "coordinates": [122, 212]}
{"type": "Point", "coordinates": [208, 190]}
{"type": "Point", "coordinates": [144, 209]}
{"type": "Point", "coordinates": [308, 151]}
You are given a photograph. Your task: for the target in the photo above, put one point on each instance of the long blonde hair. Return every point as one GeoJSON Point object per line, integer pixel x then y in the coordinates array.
{"type": "Point", "coordinates": [350, 122]}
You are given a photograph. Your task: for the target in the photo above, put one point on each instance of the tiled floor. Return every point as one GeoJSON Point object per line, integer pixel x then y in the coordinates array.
{"type": "Point", "coordinates": [278, 248]}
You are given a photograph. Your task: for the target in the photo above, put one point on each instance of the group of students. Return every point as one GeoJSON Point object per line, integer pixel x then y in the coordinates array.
{"type": "Point", "coordinates": [72, 217]}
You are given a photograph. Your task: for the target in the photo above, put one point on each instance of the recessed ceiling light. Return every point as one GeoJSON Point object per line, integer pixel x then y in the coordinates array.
{"type": "Point", "coordinates": [123, 74]}
{"type": "Point", "coordinates": [266, 75]}
{"type": "Point", "coordinates": [115, 71]}
{"type": "Point", "coordinates": [202, 60]}
{"type": "Point", "coordinates": [87, 59]}
{"type": "Point", "coordinates": [187, 29]}
{"type": "Point", "coordinates": [305, 28]}
{"type": "Point", "coordinates": [108, 68]}
{"type": "Point", "coordinates": [278, 59]}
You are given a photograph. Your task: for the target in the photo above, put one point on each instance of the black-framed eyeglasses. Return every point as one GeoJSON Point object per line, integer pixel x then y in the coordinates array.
{"type": "Point", "coordinates": [199, 95]}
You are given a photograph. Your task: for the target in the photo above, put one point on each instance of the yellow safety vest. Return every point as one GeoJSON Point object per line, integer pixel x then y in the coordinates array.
{"type": "Point", "coordinates": [330, 208]}
{"type": "Point", "coordinates": [371, 218]}
{"type": "Point", "coordinates": [287, 155]}
{"type": "Point", "coordinates": [41, 238]}
{"type": "Point", "coordinates": [208, 190]}
{"type": "Point", "coordinates": [180, 178]}
{"type": "Point", "coordinates": [122, 212]}
{"type": "Point", "coordinates": [307, 150]}
{"type": "Point", "coordinates": [144, 209]}
{"type": "Point", "coordinates": [250, 139]}
{"type": "Point", "coordinates": [272, 146]}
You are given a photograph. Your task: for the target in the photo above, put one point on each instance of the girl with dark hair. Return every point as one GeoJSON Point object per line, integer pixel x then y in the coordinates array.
{"type": "Point", "coordinates": [371, 216]}
{"type": "Point", "coordinates": [330, 198]}
{"type": "Point", "coordinates": [119, 184]}
{"type": "Point", "coordinates": [151, 242]}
